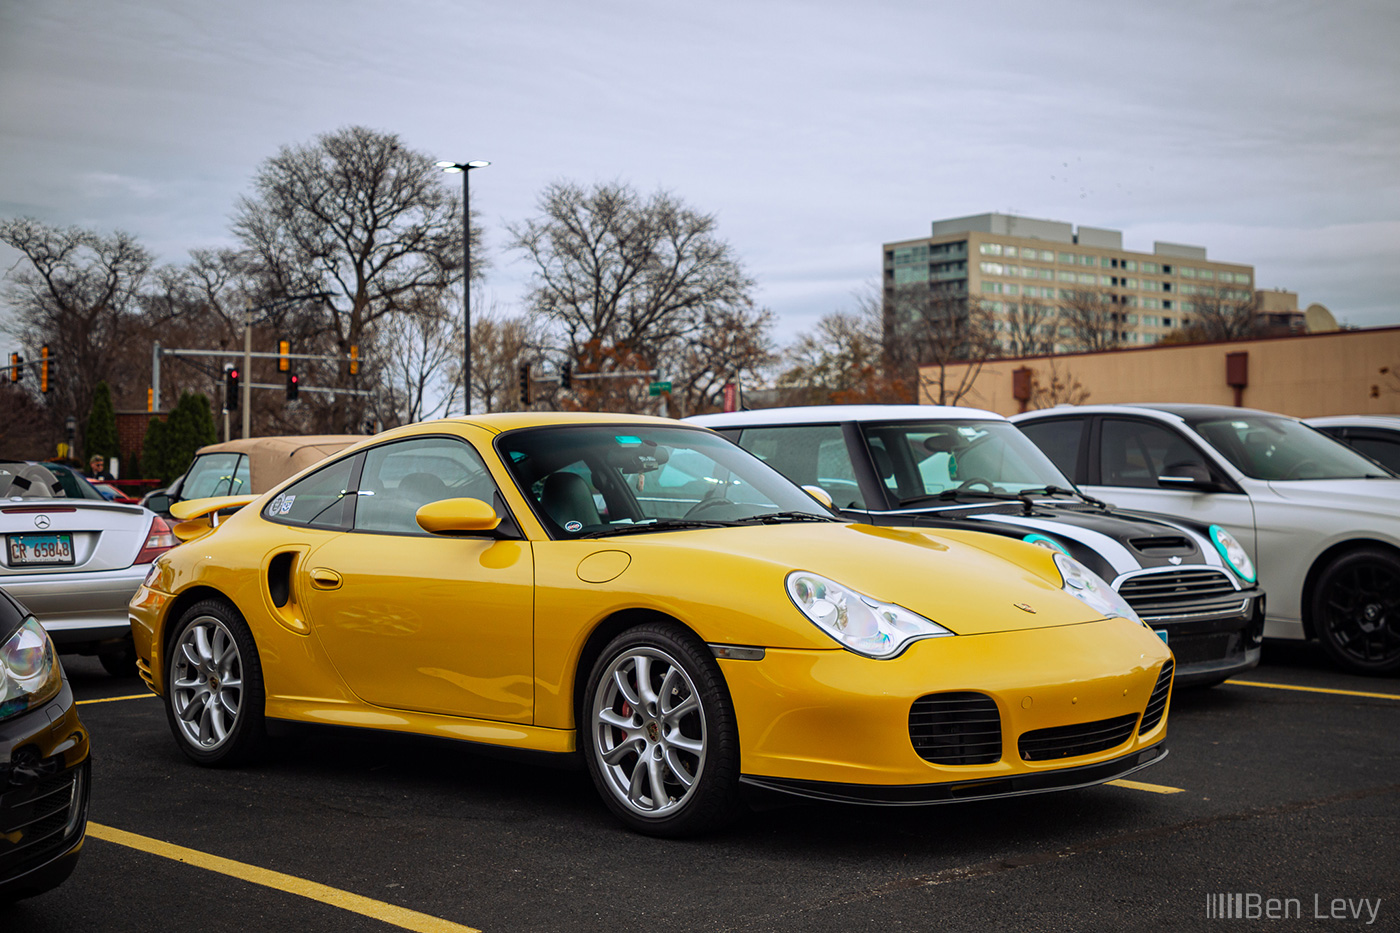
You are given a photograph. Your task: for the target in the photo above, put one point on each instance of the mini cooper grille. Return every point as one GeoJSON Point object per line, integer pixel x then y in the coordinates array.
{"type": "Point", "coordinates": [956, 728]}
{"type": "Point", "coordinates": [32, 820]}
{"type": "Point", "coordinates": [1157, 703]}
{"type": "Point", "coordinates": [1083, 738]}
{"type": "Point", "coordinates": [1179, 592]}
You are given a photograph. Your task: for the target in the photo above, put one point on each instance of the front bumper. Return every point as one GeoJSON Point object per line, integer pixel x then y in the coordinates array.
{"type": "Point", "coordinates": [837, 725]}
{"type": "Point", "coordinates": [1209, 649]}
{"type": "Point", "coordinates": [44, 790]}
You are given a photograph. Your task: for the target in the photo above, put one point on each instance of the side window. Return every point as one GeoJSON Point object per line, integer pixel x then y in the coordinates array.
{"type": "Point", "coordinates": [221, 474]}
{"type": "Point", "coordinates": [1383, 451]}
{"type": "Point", "coordinates": [321, 499]}
{"type": "Point", "coordinates": [1059, 439]}
{"type": "Point", "coordinates": [398, 479]}
{"type": "Point", "coordinates": [809, 455]}
{"type": "Point", "coordinates": [1135, 453]}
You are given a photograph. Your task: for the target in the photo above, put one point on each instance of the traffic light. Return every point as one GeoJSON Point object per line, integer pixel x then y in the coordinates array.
{"type": "Point", "coordinates": [354, 359]}
{"type": "Point", "coordinates": [284, 363]}
{"type": "Point", "coordinates": [16, 361]}
{"type": "Point", "coordinates": [44, 368]}
{"type": "Point", "coordinates": [293, 386]}
{"type": "Point", "coordinates": [566, 376]}
{"type": "Point", "coordinates": [231, 388]}
{"type": "Point", "coordinates": [525, 385]}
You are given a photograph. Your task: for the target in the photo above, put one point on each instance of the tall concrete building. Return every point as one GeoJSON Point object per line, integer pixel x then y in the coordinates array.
{"type": "Point", "coordinates": [1006, 260]}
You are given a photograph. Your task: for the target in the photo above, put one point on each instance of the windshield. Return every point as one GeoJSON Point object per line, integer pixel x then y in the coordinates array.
{"type": "Point", "coordinates": [924, 459]}
{"type": "Point", "coordinates": [587, 479]}
{"type": "Point", "coordinates": [1272, 448]}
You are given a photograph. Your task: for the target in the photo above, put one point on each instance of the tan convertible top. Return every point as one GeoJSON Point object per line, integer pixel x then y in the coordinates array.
{"type": "Point", "coordinates": [273, 459]}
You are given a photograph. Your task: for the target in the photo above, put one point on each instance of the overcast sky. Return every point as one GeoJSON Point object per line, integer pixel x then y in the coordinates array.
{"type": "Point", "coordinates": [815, 130]}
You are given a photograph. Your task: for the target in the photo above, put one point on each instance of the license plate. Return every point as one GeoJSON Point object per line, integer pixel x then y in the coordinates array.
{"type": "Point", "coordinates": [40, 549]}
{"type": "Point", "coordinates": [1162, 634]}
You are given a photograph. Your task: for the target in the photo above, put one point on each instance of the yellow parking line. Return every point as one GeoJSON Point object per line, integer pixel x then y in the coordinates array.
{"type": "Point", "coordinates": [377, 910]}
{"type": "Point", "coordinates": [1150, 788]}
{"type": "Point", "coordinates": [138, 696]}
{"type": "Point", "coordinates": [1345, 693]}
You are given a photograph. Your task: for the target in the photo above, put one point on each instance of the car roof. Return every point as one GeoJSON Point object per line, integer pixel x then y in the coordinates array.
{"type": "Point", "coordinates": [1183, 410]}
{"type": "Point", "coordinates": [827, 414]}
{"type": "Point", "coordinates": [273, 459]}
{"type": "Point", "coordinates": [1359, 421]}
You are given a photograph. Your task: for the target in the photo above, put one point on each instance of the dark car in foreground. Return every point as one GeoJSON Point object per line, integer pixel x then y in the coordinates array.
{"type": "Point", "coordinates": [44, 771]}
{"type": "Point", "coordinates": [954, 467]}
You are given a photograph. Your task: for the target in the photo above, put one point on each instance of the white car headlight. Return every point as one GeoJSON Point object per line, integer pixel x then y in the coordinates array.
{"type": "Point", "coordinates": [1093, 590]}
{"type": "Point", "coordinates": [29, 671]}
{"type": "Point", "coordinates": [1234, 553]}
{"type": "Point", "coordinates": [857, 622]}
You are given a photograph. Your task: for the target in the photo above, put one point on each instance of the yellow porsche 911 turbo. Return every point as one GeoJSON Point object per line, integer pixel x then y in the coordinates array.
{"type": "Point", "coordinates": [651, 598]}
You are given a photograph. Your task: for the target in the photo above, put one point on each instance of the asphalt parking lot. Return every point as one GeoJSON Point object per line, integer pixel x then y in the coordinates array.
{"type": "Point", "coordinates": [1282, 789]}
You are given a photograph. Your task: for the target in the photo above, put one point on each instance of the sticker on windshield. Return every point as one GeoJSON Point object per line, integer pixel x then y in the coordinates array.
{"type": "Point", "coordinates": [286, 505]}
{"type": "Point", "coordinates": [573, 526]}
{"type": "Point", "coordinates": [276, 506]}
{"type": "Point", "coordinates": [627, 439]}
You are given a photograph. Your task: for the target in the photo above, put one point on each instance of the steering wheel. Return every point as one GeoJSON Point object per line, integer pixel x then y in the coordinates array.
{"type": "Point", "coordinates": [1296, 471]}
{"type": "Point", "coordinates": [977, 481]}
{"type": "Point", "coordinates": [713, 504]}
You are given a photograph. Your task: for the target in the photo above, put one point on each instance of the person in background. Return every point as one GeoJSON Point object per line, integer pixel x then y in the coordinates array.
{"type": "Point", "coordinates": [97, 469]}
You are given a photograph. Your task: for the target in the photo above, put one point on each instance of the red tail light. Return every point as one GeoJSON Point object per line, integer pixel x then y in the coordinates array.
{"type": "Point", "coordinates": [158, 540]}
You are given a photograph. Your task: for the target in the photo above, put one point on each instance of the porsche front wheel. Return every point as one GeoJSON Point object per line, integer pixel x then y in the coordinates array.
{"type": "Point", "coordinates": [213, 686]}
{"type": "Point", "coordinates": [659, 733]}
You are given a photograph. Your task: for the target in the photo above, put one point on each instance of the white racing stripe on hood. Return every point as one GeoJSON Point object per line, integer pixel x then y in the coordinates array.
{"type": "Point", "coordinates": [1119, 558]}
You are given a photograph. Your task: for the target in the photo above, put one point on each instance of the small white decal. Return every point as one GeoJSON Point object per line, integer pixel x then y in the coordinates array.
{"type": "Point", "coordinates": [573, 526]}
{"type": "Point", "coordinates": [287, 504]}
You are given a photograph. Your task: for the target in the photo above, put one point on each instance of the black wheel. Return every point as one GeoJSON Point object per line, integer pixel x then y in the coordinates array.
{"type": "Point", "coordinates": [1356, 611]}
{"type": "Point", "coordinates": [119, 660]}
{"type": "Point", "coordinates": [658, 732]}
{"type": "Point", "coordinates": [213, 686]}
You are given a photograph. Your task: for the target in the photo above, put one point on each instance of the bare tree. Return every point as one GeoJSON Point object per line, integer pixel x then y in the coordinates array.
{"type": "Point", "coordinates": [934, 330]}
{"type": "Point", "coordinates": [79, 296]}
{"type": "Point", "coordinates": [1061, 388]}
{"type": "Point", "coordinates": [1032, 328]}
{"type": "Point", "coordinates": [1216, 315]}
{"type": "Point", "coordinates": [366, 222]}
{"type": "Point", "coordinates": [1094, 321]}
{"type": "Point", "coordinates": [843, 361]}
{"type": "Point", "coordinates": [501, 344]}
{"type": "Point", "coordinates": [639, 282]}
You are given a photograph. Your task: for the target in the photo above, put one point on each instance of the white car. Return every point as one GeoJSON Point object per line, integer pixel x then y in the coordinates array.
{"type": "Point", "coordinates": [74, 562]}
{"type": "Point", "coordinates": [1376, 436]}
{"type": "Point", "coordinates": [1322, 521]}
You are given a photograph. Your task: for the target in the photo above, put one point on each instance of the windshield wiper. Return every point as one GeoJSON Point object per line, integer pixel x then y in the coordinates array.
{"type": "Point", "coordinates": [1062, 491]}
{"type": "Point", "coordinates": [665, 524]}
{"type": "Point", "coordinates": [951, 495]}
{"type": "Point", "coordinates": [773, 518]}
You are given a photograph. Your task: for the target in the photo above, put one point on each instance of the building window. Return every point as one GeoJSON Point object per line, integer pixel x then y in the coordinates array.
{"type": "Point", "coordinates": [1067, 258]}
{"type": "Point", "coordinates": [1186, 272]}
{"type": "Point", "coordinates": [989, 249]}
{"type": "Point", "coordinates": [1086, 260]}
{"type": "Point", "coordinates": [1150, 267]}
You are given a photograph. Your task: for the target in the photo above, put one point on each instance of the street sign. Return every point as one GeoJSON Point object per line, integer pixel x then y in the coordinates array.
{"type": "Point", "coordinates": [659, 387]}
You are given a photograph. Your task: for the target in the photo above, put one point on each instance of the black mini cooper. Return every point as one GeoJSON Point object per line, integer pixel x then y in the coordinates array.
{"type": "Point", "coordinates": [965, 468]}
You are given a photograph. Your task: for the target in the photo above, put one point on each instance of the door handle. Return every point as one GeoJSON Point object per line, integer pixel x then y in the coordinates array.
{"type": "Point", "coordinates": [323, 578]}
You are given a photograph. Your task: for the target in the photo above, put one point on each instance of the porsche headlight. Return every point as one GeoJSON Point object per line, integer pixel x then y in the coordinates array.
{"type": "Point", "coordinates": [857, 622]}
{"type": "Point", "coordinates": [1092, 590]}
{"type": "Point", "coordinates": [29, 671]}
{"type": "Point", "coordinates": [1233, 552]}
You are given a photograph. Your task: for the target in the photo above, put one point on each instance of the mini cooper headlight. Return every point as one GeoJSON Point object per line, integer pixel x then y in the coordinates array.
{"type": "Point", "coordinates": [1233, 552]}
{"type": "Point", "coordinates": [29, 672]}
{"type": "Point", "coordinates": [1092, 590]}
{"type": "Point", "coordinates": [857, 622]}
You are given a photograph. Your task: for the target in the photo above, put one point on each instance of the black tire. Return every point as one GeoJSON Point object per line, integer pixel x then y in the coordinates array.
{"type": "Point", "coordinates": [1356, 611]}
{"type": "Point", "coordinates": [119, 660]}
{"type": "Point", "coordinates": [213, 686]}
{"type": "Point", "coordinates": [683, 722]}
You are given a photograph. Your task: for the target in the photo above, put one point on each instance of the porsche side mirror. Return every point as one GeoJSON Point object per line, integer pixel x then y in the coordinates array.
{"type": "Point", "coordinates": [458, 517]}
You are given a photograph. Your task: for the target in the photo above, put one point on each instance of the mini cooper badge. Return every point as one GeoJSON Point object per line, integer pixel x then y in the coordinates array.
{"type": "Point", "coordinates": [1024, 608]}
{"type": "Point", "coordinates": [1174, 560]}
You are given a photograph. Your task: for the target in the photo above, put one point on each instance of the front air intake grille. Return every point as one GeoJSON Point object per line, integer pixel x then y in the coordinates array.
{"type": "Point", "coordinates": [1157, 703]}
{"type": "Point", "coordinates": [33, 820]}
{"type": "Point", "coordinates": [1165, 593]}
{"type": "Point", "coordinates": [1083, 738]}
{"type": "Point", "coordinates": [956, 729]}
{"type": "Point", "coordinates": [1163, 546]}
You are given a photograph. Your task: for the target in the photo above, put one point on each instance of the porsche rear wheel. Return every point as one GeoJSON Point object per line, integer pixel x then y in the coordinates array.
{"type": "Point", "coordinates": [659, 733]}
{"type": "Point", "coordinates": [213, 686]}
{"type": "Point", "coordinates": [1356, 611]}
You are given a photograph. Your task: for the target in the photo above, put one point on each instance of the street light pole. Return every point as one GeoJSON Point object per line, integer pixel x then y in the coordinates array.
{"type": "Point", "coordinates": [466, 170]}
